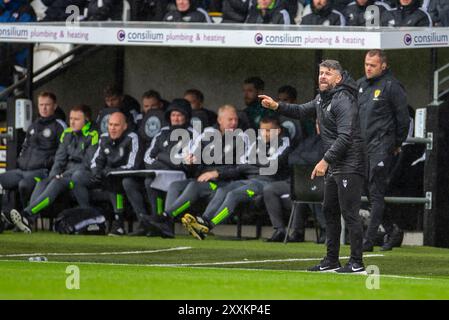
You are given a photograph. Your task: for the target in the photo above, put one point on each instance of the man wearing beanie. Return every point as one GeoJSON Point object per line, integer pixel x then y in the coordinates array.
{"type": "Point", "coordinates": [158, 157]}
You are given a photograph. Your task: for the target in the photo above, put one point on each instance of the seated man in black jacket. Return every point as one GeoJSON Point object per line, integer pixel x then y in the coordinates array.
{"type": "Point", "coordinates": [116, 101]}
{"type": "Point", "coordinates": [355, 12]}
{"type": "Point", "coordinates": [235, 11]}
{"type": "Point", "coordinates": [409, 14]}
{"type": "Point", "coordinates": [56, 9]}
{"type": "Point", "coordinates": [323, 14]}
{"type": "Point", "coordinates": [118, 150]}
{"type": "Point", "coordinates": [71, 168]}
{"type": "Point", "coordinates": [220, 169]}
{"type": "Point", "coordinates": [227, 198]}
{"type": "Point", "coordinates": [101, 10]}
{"type": "Point", "coordinates": [159, 157]}
{"type": "Point", "coordinates": [36, 157]}
{"type": "Point", "coordinates": [187, 11]}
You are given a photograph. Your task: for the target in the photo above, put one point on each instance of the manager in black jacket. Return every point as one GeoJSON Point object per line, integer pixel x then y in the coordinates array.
{"type": "Point", "coordinates": [385, 124]}
{"type": "Point", "coordinates": [37, 154]}
{"type": "Point", "coordinates": [343, 163]}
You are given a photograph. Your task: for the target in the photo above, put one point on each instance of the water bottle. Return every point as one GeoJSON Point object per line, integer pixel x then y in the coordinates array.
{"type": "Point", "coordinates": [37, 259]}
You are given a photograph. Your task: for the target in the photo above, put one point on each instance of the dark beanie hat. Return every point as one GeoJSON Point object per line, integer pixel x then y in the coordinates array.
{"type": "Point", "coordinates": [180, 105]}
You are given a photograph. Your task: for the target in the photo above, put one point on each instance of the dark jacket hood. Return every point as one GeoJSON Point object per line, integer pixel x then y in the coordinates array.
{"type": "Point", "coordinates": [181, 105]}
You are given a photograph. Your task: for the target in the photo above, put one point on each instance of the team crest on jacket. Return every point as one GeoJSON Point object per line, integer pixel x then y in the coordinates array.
{"type": "Point", "coordinates": [165, 143]}
{"type": "Point", "coordinates": [32, 132]}
{"type": "Point", "coordinates": [121, 152]}
{"type": "Point", "coordinates": [377, 94]}
{"type": "Point", "coordinates": [345, 183]}
{"type": "Point", "coordinates": [46, 133]}
{"type": "Point", "coordinates": [107, 151]}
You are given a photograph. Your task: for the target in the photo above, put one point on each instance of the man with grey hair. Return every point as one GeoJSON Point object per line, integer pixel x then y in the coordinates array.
{"type": "Point", "coordinates": [210, 174]}
{"type": "Point", "coordinates": [343, 163]}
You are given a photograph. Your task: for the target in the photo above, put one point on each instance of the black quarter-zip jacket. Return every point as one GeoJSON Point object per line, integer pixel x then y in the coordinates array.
{"type": "Point", "coordinates": [384, 118]}
{"type": "Point", "coordinates": [338, 117]}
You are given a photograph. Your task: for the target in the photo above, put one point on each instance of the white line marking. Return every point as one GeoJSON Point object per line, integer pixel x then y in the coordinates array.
{"type": "Point", "coordinates": [251, 261]}
{"type": "Point", "coordinates": [92, 253]}
{"type": "Point", "coordinates": [214, 268]}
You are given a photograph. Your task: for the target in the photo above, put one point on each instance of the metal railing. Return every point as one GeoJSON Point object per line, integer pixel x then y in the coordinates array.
{"type": "Point", "coordinates": [437, 83]}
{"type": "Point", "coordinates": [60, 59]}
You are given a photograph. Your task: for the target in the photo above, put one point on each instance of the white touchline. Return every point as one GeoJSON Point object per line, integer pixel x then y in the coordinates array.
{"type": "Point", "coordinates": [91, 253]}
{"type": "Point", "coordinates": [252, 261]}
{"type": "Point", "coordinates": [218, 268]}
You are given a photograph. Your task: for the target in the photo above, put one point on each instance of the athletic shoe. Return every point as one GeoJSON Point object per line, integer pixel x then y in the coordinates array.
{"type": "Point", "coordinates": [7, 217]}
{"type": "Point", "coordinates": [352, 268]}
{"type": "Point", "coordinates": [326, 265]}
{"type": "Point", "coordinates": [117, 229]}
{"type": "Point", "coordinates": [162, 225]}
{"type": "Point", "coordinates": [20, 221]}
{"type": "Point", "coordinates": [139, 232]}
{"type": "Point", "coordinates": [197, 227]}
{"type": "Point", "coordinates": [394, 240]}
{"type": "Point", "coordinates": [296, 237]}
{"type": "Point", "coordinates": [277, 236]}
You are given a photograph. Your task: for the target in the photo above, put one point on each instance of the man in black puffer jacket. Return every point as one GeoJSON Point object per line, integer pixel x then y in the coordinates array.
{"type": "Point", "coordinates": [409, 14]}
{"type": "Point", "coordinates": [187, 11]}
{"type": "Point", "coordinates": [343, 164]}
{"type": "Point", "coordinates": [56, 9]}
{"type": "Point", "coordinates": [355, 12]}
{"type": "Point", "coordinates": [323, 14]}
{"type": "Point", "coordinates": [269, 12]}
{"type": "Point", "coordinates": [102, 10]}
{"type": "Point", "coordinates": [385, 122]}
{"type": "Point", "coordinates": [37, 154]}
{"type": "Point", "coordinates": [439, 11]}
{"type": "Point", "coordinates": [159, 157]}
{"type": "Point", "coordinates": [235, 11]}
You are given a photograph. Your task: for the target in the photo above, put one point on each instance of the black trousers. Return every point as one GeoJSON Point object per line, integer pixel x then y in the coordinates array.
{"type": "Point", "coordinates": [342, 197]}
{"type": "Point", "coordinates": [227, 198]}
{"type": "Point", "coordinates": [21, 180]}
{"type": "Point", "coordinates": [140, 193]}
{"type": "Point", "coordinates": [47, 191]}
{"type": "Point", "coordinates": [379, 169]}
{"type": "Point", "coordinates": [181, 195]}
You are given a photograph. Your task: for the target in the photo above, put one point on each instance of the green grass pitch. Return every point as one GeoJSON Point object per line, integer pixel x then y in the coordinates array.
{"type": "Point", "coordinates": [184, 268]}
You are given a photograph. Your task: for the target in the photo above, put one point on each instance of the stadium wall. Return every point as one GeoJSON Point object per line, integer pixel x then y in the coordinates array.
{"type": "Point", "coordinates": [219, 73]}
